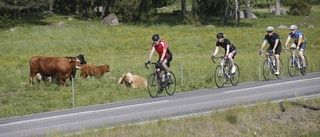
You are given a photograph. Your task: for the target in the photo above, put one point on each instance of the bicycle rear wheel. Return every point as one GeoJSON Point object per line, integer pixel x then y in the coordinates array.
{"type": "Point", "coordinates": [171, 84]}
{"type": "Point", "coordinates": [291, 66]}
{"type": "Point", "coordinates": [153, 85]}
{"type": "Point", "coordinates": [235, 77]}
{"type": "Point", "coordinates": [279, 76]}
{"type": "Point", "coordinates": [304, 70]}
{"type": "Point", "coordinates": [266, 70]}
{"type": "Point", "coordinates": [219, 76]}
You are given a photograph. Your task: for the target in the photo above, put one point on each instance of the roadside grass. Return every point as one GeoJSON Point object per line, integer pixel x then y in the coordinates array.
{"type": "Point", "coordinates": [263, 120]}
{"type": "Point", "coordinates": [125, 48]}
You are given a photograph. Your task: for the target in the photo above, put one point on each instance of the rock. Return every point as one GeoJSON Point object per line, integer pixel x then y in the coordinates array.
{"type": "Point", "coordinates": [111, 20]}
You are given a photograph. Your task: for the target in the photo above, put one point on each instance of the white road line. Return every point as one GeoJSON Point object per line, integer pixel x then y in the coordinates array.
{"type": "Point", "coordinates": [269, 85]}
{"type": "Point", "coordinates": [80, 113]}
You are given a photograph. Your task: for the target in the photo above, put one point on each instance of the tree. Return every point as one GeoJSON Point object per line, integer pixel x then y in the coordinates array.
{"type": "Point", "coordinates": [278, 12]}
{"type": "Point", "coordinates": [248, 9]}
{"type": "Point", "coordinates": [183, 7]}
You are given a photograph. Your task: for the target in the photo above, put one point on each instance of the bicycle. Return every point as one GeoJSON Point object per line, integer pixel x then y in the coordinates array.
{"type": "Point", "coordinates": [156, 84]}
{"type": "Point", "coordinates": [269, 66]}
{"type": "Point", "coordinates": [222, 74]}
{"type": "Point", "coordinates": [295, 64]}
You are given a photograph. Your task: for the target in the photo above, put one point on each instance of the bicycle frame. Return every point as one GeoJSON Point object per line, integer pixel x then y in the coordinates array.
{"type": "Point", "coordinates": [226, 75]}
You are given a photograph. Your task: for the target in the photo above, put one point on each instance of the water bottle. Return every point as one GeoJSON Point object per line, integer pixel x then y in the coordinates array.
{"type": "Point", "coordinates": [273, 62]}
{"type": "Point", "coordinates": [298, 62]}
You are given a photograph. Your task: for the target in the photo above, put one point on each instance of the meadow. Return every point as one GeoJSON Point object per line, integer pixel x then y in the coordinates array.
{"type": "Point", "coordinates": [125, 48]}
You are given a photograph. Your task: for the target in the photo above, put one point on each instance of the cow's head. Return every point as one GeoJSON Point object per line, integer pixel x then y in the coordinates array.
{"type": "Point", "coordinates": [126, 79]}
{"type": "Point", "coordinates": [77, 61]}
{"type": "Point", "coordinates": [81, 58]}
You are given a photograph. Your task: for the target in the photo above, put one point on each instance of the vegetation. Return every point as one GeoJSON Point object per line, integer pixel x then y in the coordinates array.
{"type": "Point", "coordinates": [125, 48]}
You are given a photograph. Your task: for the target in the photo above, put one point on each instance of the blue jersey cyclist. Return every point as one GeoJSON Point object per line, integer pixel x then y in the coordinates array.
{"type": "Point", "coordinates": [300, 42]}
{"type": "Point", "coordinates": [275, 45]}
{"type": "Point", "coordinates": [229, 49]}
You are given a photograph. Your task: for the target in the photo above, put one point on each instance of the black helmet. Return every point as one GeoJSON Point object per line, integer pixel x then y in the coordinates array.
{"type": "Point", "coordinates": [155, 37]}
{"type": "Point", "coordinates": [220, 35]}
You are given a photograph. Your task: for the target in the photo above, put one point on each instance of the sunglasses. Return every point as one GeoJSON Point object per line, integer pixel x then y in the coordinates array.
{"type": "Point", "coordinates": [292, 29]}
{"type": "Point", "coordinates": [269, 31]}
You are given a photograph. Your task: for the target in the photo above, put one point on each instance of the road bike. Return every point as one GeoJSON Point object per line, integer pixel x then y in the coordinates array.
{"type": "Point", "coordinates": [295, 64]}
{"type": "Point", "coordinates": [159, 81]}
{"type": "Point", "coordinates": [222, 72]}
{"type": "Point", "coordinates": [269, 66]}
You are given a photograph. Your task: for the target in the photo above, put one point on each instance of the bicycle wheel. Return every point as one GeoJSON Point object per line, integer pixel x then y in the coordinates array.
{"type": "Point", "coordinates": [267, 70]}
{"type": "Point", "coordinates": [235, 77]}
{"type": "Point", "coordinates": [279, 76]}
{"type": "Point", "coordinates": [153, 85]}
{"type": "Point", "coordinates": [219, 76]}
{"type": "Point", "coordinates": [171, 84]}
{"type": "Point", "coordinates": [304, 70]}
{"type": "Point", "coordinates": [291, 66]}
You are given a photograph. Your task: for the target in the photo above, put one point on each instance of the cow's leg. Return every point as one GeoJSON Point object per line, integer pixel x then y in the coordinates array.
{"type": "Point", "coordinates": [32, 75]}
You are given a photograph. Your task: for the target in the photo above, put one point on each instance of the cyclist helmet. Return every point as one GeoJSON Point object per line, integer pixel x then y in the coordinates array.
{"type": "Point", "coordinates": [293, 27]}
{"type": "Point", "coordinates": [270, 29]}
{"type": "Point", "coordinates": [155, 37]}
{"type": "Point", "coordinates": [220, 35]}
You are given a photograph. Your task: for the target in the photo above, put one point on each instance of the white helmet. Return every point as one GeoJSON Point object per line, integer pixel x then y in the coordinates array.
{"type": "Point", "coordinates": [270, 28]}
{"type": "Point", "coordinates": [293, 27]}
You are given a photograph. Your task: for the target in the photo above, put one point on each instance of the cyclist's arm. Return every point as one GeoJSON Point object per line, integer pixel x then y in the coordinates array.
{"type": "Point", "coordinates": [216, 51]}
{"type": "Point", "coordinates": [151, 53]}
{"type": "Point", "coordinates": [299, 41]}
{"type": "Point", "coordinates": [275, 44]}
{"type": "Point", "coordinates": [263, 44]}
{"type": "Point", "coordinates": [227, 50]}
{"type": "Point", "coordinates": [287, 42]}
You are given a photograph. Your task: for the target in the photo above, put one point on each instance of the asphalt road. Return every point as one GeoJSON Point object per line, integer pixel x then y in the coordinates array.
{"type": "Point", "coordinates": [150, 109]}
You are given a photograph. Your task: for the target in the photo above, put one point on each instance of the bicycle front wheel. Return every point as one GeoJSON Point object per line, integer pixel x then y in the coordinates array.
{"type": "Point", "coordinates": [219, 76]}
{"type": "Point", "coordinates": [235, 77]}
{"type": "Point", "coordinates": [153, 85]}
{"type": "Point", "coordinates": [171, 84]}
{"type": "Point", "coordinates": [267, 70]}
{"type": "Point", "coordinates": [304, 70]}
{"type": "Point", "coordinates": [280, 75]}
{"type": "Point", "coordinates": [291, 66]}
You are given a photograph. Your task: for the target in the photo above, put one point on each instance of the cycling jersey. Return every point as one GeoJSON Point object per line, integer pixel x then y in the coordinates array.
{"type": "Point", "coordinates": [296, 36]}
{"type": "Point", "coordinates": [160, 47]}
{"type": "Point", "coordinates": [272, 40]}
{"type": "Point", "coordinates": [224, 45]}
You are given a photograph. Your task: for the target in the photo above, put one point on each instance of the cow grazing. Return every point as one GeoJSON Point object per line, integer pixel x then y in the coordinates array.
{"type": "Point", "coordinates": [72, 75]}
{"type": "Point", "coordinates": [92, 70]}
{"type": "Point", "coordinates": [133, 81]}
{"type": "Point", "coordinates": [53, 66]}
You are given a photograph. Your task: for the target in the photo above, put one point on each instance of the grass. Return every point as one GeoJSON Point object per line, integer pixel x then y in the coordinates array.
{"type": "Point", "coordinates": [125, 48]}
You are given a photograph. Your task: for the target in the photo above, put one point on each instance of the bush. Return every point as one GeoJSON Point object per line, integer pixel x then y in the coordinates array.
{"type": "Point", "coordinates": [299, 7]}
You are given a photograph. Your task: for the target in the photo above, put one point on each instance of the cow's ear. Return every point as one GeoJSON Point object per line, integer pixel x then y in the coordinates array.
{"type": "Point", "coordinates": [120, 80]}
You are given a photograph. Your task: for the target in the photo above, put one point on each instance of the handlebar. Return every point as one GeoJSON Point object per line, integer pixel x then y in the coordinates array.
{"type": "Point", "coordinates": [221, 57]}
{"type": "Point", "coordinates": [155, 63]}
{"type": "Point", "coordinates": [269, 51]}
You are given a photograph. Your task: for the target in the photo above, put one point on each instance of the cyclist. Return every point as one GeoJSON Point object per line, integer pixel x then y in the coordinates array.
{"type": "Point", "coordinates": [275, 45]}
{"type": "Point", "coordinates": [165, 56]}
{"type": "Point", "coordinates": [229, 49]}
{"type": "Point", "coordinates": [300, 42]}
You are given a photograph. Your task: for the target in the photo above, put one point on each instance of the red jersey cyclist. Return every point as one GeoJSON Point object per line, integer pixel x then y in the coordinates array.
{"type": "Point", "coordinates": [165, 56]}
{"type": "Point", "coordinates": [229, 49]}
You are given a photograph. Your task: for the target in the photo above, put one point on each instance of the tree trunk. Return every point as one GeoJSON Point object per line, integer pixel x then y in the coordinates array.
{"type": "Point", "coordinates": [237, 13]}
{"type": "Point", "coordinates": [278, 12]}
{"type": "Point", "coordinates": [226, 13]}
{"type": "Point", "coordinates": [248, 9]}
{"type": "Point", "coordinates": [183, 7]}
{"type": "Point", "coordinates": [104, 9]}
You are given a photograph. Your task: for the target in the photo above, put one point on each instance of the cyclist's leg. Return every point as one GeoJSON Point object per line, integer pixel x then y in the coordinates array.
{"type": "Point", "coordinates": [231, 56]}
{"type": "Point", "coordinates": [301, 50]}
{"type": "Point", "coordinates": [277, 56]}
{"type": "Point", "coordinates": [166, 63]}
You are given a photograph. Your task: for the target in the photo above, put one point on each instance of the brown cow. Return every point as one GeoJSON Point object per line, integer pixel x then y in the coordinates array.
{"type": "Point", "coordinates": [53, 66]}
{"type": "Point", "coordinates": [92, 70]}
{"type": "Point", "coordinates": [133, 81]}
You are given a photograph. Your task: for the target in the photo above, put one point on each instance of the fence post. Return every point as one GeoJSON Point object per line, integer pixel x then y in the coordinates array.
{"type": "Point", "coordinates": [181, 77]}
{"type": "Point", "coordinates": [72, 91]}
